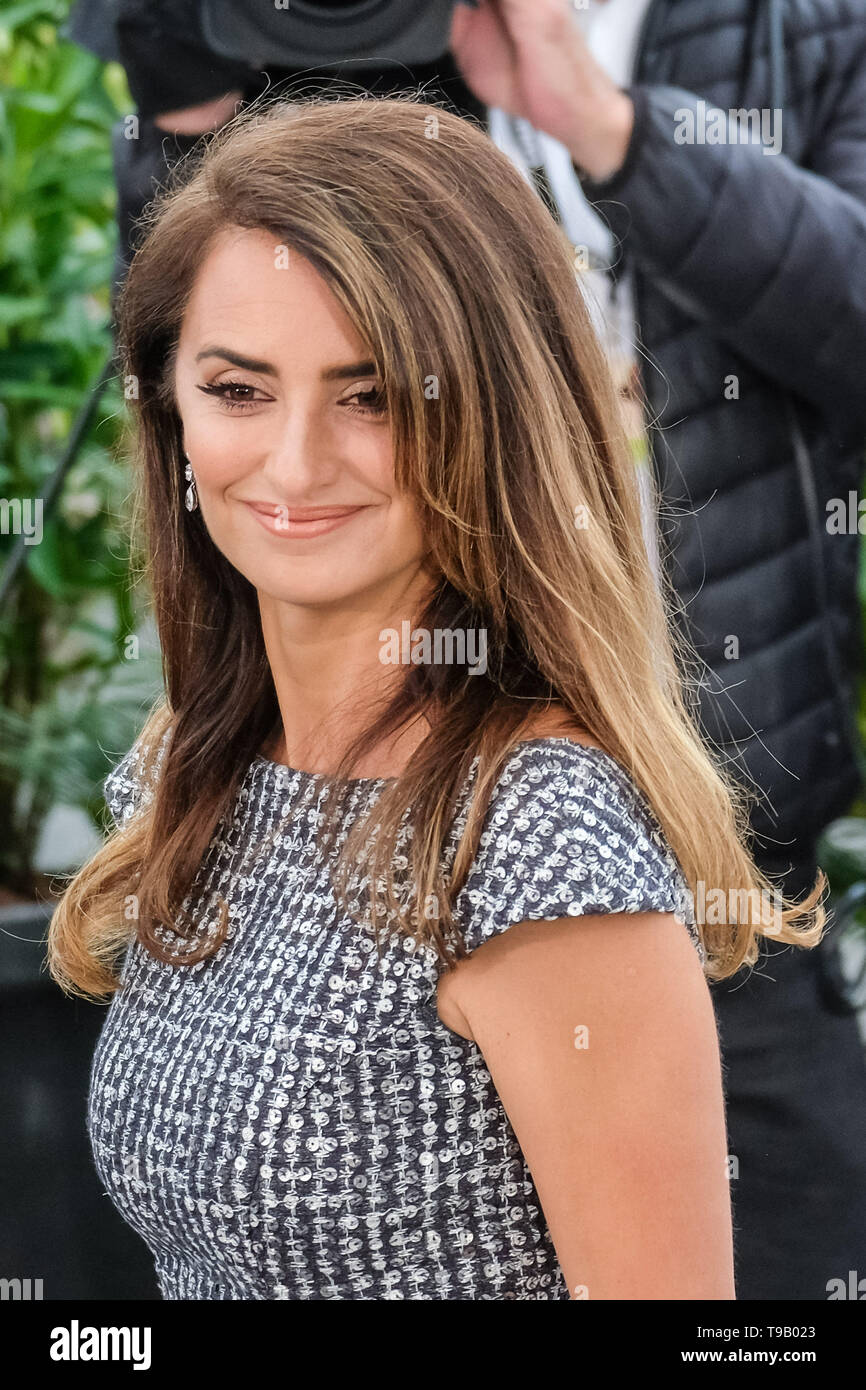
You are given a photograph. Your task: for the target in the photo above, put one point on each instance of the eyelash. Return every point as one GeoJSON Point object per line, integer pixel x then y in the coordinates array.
{"type": "Point", "coordinates": [221, 389]}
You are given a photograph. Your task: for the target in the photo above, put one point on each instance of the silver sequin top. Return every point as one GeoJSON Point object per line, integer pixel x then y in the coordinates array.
{"type": "Point", "coordinates": [290, 1118]}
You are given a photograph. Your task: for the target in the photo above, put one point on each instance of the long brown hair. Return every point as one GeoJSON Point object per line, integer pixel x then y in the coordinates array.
{"type": "Point", "coordinates": [455, 273]}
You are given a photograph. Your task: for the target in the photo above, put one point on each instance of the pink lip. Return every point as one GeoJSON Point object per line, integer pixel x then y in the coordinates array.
{"type": "Point", "coordinates": [300, 522]}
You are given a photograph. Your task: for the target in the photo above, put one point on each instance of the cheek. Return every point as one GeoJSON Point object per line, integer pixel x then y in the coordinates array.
{"type": "Point", "coordinates": [399, 514]}
{"type": "Point", "coordinates": [218, 454]}
{"type": "Point", "coordinates": [406, 528]}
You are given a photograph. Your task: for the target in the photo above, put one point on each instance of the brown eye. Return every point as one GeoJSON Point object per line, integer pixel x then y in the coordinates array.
{"type": "Point", "coordinates": [231, 402]}
{"type": "Point", "coordinates": [372, 402]}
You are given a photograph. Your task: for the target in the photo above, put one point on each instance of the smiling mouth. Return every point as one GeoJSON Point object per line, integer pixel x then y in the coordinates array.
{"type": "Point", "coordinates": [294, 522]}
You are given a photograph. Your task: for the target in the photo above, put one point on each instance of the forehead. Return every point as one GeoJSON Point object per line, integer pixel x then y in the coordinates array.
{"type": "Point", "coordinates": [253, 287]}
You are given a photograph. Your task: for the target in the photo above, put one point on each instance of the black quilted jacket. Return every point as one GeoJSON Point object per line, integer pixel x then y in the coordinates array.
{"type": "Point", "coordinates": [754, 266]}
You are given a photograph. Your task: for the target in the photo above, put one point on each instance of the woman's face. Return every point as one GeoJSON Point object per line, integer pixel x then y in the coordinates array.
{"type": "Point", "coordinates": [281, 420]}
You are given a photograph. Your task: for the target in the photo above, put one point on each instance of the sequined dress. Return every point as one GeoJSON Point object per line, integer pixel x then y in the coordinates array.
{"type": "Point", "coordinates": [290, 1118]}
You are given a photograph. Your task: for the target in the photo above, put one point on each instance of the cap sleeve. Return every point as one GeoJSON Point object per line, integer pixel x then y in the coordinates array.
{"type": "Point", "coordinates": [129, 786]}
{"type": "Point", "coordinates": [567, 834]}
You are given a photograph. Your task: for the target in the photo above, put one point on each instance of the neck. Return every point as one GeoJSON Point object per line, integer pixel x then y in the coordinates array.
{"type": "Point", "coordinates": [330, 681]}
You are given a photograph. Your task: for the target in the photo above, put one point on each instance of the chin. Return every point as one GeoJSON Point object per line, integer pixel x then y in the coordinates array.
{"type": "Point", "coordinates": [310, 584]}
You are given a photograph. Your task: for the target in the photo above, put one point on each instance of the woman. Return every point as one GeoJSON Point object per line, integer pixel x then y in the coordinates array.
{"type": "Point", "coordinates": [417, 670]}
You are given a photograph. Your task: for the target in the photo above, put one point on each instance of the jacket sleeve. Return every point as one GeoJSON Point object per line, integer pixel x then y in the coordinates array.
{"type": "Point", "coordinates": [770, 255]}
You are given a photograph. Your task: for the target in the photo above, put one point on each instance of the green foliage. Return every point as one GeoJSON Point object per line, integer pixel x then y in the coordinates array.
{"type": "Point", "coordinates": [70, 698]}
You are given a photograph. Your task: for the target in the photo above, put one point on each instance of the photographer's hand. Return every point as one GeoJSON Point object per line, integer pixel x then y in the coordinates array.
{"type": "Point", "coordinates": [529, 58]}
{"type": "Point", "coordinates": [198, 120]}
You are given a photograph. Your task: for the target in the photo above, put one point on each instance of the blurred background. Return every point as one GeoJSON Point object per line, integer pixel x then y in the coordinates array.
{"type": "Point", "coordinates": [79, 664]}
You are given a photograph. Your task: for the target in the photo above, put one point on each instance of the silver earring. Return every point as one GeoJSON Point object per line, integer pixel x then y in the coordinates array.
{"type": "Point", "coordinates": [191, 495]}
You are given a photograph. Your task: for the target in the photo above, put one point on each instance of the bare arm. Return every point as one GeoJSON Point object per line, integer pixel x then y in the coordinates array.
{"type": "Point", "coordinates": [600, 1038]}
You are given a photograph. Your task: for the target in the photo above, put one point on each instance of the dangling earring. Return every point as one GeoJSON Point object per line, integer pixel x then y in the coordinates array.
{"type": "Point", "coordinates": [191, 495]}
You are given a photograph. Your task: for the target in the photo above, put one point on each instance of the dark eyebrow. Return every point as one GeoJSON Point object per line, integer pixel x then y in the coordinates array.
{"type": "Point", "coordinates": [252, 364]}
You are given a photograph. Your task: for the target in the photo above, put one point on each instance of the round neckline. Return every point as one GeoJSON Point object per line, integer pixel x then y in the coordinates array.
{"type": "Point", "coordinates": [303, 775]}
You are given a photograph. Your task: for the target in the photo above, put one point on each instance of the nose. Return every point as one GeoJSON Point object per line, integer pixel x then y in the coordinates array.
{"type": "Point", "coordinates": [299, 459]}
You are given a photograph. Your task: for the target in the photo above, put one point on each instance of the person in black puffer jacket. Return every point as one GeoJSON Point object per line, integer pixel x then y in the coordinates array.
{"type": "Point", "coordinates": [754, 267]}
{"type": "Point", "coordinates": [748, 275]}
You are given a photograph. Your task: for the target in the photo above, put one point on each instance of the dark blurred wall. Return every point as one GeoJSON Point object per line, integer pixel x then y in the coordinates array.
{"type": "Point", "coordinates": [56, 1223]}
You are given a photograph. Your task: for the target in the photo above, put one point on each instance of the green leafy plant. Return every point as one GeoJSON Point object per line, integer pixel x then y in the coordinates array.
{"type": "Point", "coordinates": [74, 678]}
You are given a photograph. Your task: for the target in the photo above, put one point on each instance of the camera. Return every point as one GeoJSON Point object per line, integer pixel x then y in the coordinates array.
{"type": "Point", "coordinates": [327, 33]}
